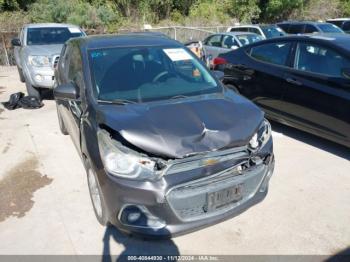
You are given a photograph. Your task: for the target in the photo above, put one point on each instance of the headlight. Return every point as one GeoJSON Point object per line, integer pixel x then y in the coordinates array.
{"type": "Point", "coordinates": [261, 137]}
{"type": "Point", "coordinates": [39, 60]}
{"type": "Point", "coordinates": [120, 161]}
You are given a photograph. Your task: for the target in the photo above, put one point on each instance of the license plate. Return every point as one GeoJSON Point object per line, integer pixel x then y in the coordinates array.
{"type": "Point", "coordinates": [221, 198]}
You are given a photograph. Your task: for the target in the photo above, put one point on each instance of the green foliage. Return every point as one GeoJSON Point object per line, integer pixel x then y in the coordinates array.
{"type": "Point", "coordinates": [277, 10]}
{"type": "Point", "coordinates": [75, 12]}
{"type": "Point", "coordinates": [243, 10]}
{"type": "Point", "coordinates": [108, 15]}
{"type": "Point", "coordinates": [209, 10]}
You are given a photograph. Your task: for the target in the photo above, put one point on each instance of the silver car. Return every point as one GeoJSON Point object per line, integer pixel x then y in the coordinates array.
{"type": "Point", "coordinates": [220, 43]}
{"type": "Point", "coordinates": [37, 51]}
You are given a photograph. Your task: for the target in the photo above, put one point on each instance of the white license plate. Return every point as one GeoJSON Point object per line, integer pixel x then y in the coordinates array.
{"type": "Point", "coordinates": [224, 197]}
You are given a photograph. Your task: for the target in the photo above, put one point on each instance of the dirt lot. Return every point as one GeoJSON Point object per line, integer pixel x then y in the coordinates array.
{"type": "Point", "coordinates": [45, 206]}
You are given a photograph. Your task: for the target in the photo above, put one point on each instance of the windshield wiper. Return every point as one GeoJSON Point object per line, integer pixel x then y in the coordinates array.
{"type": "Point", "coordinates": [117, 101]}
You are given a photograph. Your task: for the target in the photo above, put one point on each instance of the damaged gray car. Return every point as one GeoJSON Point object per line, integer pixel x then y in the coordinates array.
{"type": "Point", "coordinates": [167, 149]}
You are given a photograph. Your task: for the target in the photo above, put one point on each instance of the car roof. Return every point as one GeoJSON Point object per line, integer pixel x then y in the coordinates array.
{"type": "Point", "coordinates": [339, 19]}
{"type": "Point", "coordinates": [236, 33]}
{"type": "Point", "coordinates": [126, 40]}
{"type": "Point", "coordinates": [43, 25]}
{"type": "Point", "coordinates": [302, 22]}
{"type": "Point", "coordinates": [337, 39]}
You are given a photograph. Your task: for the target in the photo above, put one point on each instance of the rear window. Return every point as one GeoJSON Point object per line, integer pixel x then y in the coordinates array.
{"type": "Point", "coordinates": [272, 31]}
{"type": "Point", "coordinates": [329, 28]}
{"type": "Point", "coordinates": [248, 39]}
{"type": "Point", "coordinates": [51, 35]}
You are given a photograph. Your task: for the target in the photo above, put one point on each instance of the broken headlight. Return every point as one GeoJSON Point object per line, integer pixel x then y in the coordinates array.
{"type": "Point", "coordinates": [121, 161]}
{"type": "Point", "coordinates": [261, 137]}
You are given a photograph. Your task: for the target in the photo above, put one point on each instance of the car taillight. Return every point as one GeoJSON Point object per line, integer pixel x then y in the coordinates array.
{"type": "Point", "coordinates": [219, 61]}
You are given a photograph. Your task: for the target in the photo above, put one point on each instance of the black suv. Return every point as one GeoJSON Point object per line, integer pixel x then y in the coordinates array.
{"type": "Point", "coordinates": [291, 27]}
{"type": "Point", "coordinates": [166, 147]}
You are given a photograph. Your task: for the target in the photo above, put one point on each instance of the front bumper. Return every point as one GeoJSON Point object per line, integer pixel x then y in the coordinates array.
{"type": "Point", "coordinates": [42, 77]}
{"type": "Point", "coordinates": [180, 205]}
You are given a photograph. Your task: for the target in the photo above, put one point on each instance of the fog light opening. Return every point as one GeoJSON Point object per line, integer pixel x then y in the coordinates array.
{"type": "Point", "coordinates": [139, 216]}
{"type": "Point", "coordinates": [133, 217]}
{"type": "Point", "coordinates": [38, 78]}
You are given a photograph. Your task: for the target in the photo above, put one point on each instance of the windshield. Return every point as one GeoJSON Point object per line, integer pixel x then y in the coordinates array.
{"type": "Point", "coordinates": [249, 39]}
{"type": "Point", "coordinates": [272, 31]}
{"type": "Point", "coordinates": [51, 35]}
{"type": "Point", "coordinates": [148, 74]}
{"type": "Point", "coordinates": [329, 28]}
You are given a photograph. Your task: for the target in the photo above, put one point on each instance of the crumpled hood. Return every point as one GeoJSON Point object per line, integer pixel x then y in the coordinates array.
{"type": "Point", "coordinates": [48, 50]}
{"type": "Point", "coordinates": [181, 128]}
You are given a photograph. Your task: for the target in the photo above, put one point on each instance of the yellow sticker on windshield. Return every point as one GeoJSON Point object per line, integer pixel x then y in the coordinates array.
{"type": "Point", "coordinates": [177, 54]}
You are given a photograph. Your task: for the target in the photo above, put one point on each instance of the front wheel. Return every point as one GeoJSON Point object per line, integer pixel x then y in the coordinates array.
{"type": "Point", "coordinates": [32, 91]}
{"type": "Point", "coordinates": [96, 196]}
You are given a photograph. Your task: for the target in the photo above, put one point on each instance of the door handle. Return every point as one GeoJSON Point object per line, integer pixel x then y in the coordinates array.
{"type": "Point", "coordinates": [293, 81]}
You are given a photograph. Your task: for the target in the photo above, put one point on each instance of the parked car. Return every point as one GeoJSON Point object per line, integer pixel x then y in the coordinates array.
{"type": "Point", "coordinates": [224, 42]}
{"type": "Point", "coordinates": [301, 81]}
{"type": "Point", "coordinates": [342, 23]}
{"type": "Point", "coordinates": [167, 149]}
{"type": "Point", "coordinates": [296, 27]}
{"type": "Point", "coordinates": [37, 50]}
{"type": "Point", "coordinates": [266, 31]}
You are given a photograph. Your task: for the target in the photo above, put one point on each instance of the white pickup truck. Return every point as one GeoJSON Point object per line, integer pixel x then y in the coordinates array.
{"type": "Point", "coordinates": [37, 50]}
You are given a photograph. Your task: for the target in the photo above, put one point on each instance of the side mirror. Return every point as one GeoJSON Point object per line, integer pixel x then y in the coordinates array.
{"type": "Point", "coordinates": [345, 72]}
{"type": "Point", "coordinates": [16, 42]}
{"type": "Point", "coordinates": [234, 47]}
{"type": "Point", "coordinates": [219, 75]}
{"type": "Point", "coordinates": [66, 92]}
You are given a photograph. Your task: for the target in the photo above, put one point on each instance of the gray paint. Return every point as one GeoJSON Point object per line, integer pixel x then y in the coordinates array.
{"type": "Point", "coordinates": [199, 125]}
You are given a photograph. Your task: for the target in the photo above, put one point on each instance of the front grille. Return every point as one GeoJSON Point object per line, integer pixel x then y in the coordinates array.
{"type": "Point", "coordinates": [189, 201]}
{"type": "Point", "coordinates": [55, 61]}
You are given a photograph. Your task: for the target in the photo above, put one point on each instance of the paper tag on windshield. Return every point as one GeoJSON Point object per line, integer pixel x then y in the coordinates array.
{"type": "Point", "coordinates": [177, 54]}
{"type": "Point", "coordinates": [74, 30]}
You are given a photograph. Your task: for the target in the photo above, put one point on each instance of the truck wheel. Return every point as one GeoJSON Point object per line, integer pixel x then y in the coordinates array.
{"type": "Point", "coordinates": [61, 123]}
{"type": "Point", "coordinates": [32, 91]}
{"type": "Point", "coordinates": [96, 195]}
{"type": "Point", "coordinates": [21, 76]}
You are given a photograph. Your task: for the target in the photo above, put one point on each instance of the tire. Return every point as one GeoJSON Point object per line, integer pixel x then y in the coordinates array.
{"type": "Point", "coordinates": [232, 87]}
{"type": "Point", "coordinates": [96, 195]}
{"type": "Point", "coordinates": [32, 91]}
{"type": "Point", "coordinates": [21, 76]}
{"type": "Point", "coordinates": [61, 123]}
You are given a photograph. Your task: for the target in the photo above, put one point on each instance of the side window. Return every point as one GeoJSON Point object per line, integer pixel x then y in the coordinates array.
{"type": "Point", "coordinates": [255, 30]}
{"type": "Point", "coordinates": [75, 66]}
{"type": "Point", "coordinates": [274, 53]}
{"type": "Point", "coordinates": [215, 40]}
{"type": "Point", "coordinates": [228, 41]}
{"type": "Point", "coordinates": [285, 27]}
{"type": "Point", "coordinates": [346, 26]}
{"type": "Point", "coordinates": [321, 60]}
{"type": "Point", "coordinates": [235, 29]}
{"type": "Point", "coordinates": [296, 29]}
{"type": "Point", "coordinates": [310, 29]}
